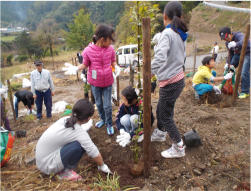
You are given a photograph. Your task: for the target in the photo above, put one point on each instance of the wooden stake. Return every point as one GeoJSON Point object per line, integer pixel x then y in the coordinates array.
{"type": "Point", "coordinates": [117, 60]}
{"type": "Point", "coordinates": [72, 61]}
{"type": "Point", "coordinates": [146, 41]}
{"type": "Point", "coordinates": [194, 62]}
{"type": "Point", "coordinates": [77, 71]}
{"type": "Point", "coordinates": [11, 100]}
{"type": "Point", "coordinates": [76, 61]}
{"type": "Point", "coordinates": [242, 56]}
{"type": "Point", "coordinates": [131, 74]}
{"type": "Point", "coordinates": [92, 97]}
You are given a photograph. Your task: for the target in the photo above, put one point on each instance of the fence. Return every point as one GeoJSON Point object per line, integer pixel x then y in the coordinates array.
{"type": "Point", "coordinates": [227, 8]}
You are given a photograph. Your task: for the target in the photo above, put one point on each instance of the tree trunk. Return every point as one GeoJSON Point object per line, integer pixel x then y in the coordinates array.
{"type": "Point", "coordinates": [52, 55]}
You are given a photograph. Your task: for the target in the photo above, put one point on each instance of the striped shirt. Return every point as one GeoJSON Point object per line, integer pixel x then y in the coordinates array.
{"type": "Point", "coordinates": [173, 79]}
{"type": "Point", "coordinates": [41, 81]}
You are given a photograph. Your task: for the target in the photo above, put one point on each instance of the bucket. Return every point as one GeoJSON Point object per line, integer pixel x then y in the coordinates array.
{"type": "Point", "coordinates": [191, 138]}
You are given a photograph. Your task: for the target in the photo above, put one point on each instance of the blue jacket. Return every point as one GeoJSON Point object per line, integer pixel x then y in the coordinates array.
{"type": "Point", "coordinates": [123, 110]}
{"type": "Point", "coordinates": [238, 38]}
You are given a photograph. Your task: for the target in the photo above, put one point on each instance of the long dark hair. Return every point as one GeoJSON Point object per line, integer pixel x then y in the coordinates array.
{"type": "Point", "coordinates": [104, 31]}
{"type": "Point", "coordinates": [173, 10]}
{"type": "Point", "coordinates": [82, 110]}
{"type": "Point", "coordinates": [129, 93]}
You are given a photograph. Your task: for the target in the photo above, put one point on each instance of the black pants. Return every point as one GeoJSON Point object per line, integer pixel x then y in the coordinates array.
{"type": "Point", "coordinates": [167, 98]}
{"type": "Point", "coordinates": [215, 56]}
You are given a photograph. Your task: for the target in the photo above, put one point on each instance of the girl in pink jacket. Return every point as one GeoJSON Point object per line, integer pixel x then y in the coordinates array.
{"type": "Point", "coordinates": [99, 57]}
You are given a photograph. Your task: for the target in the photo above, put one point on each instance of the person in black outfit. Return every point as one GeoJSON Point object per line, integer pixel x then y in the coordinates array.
{"type": "Point", "coordinates": [27, 98]}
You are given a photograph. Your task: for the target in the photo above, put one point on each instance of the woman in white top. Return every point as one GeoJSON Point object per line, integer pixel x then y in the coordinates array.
{"type": "Point", "coordinates": [215, 51]}
{"type": "Point", "coordinates": [62, 145]}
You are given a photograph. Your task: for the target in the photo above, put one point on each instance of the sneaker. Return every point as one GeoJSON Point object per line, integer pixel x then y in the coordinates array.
{"type": "Point", "coordinates": [110, 130]}
{"type": "Point", "coordinates": [38, 119]}
{"type": "Point", "coordinates": [69, 175]}
{"type": "Point", "coordinates": [174, 152]}
{"type": "Point", "coordinates": [99, 124]}
{"type": "Point", "coordinates": [243, 95]}
{"type": "Point", "coordinates": [158, 135]}
{"type": "Point", "coordinates": [197, 96]}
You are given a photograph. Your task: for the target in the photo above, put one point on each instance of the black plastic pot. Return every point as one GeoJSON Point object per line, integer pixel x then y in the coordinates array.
{"type": "Point", "coordinates": [20, 134]}
{"type": "Point", "coordinates": [191, 138]}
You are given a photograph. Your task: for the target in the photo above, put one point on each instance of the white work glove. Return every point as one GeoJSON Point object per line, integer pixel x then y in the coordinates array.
{"type": "Point", "coordinates": [84, 79]}
{"type": "Point", "coordinates": [28, 111]}
{"type": "Point", "coordinates": [33, 112]}
{"type": "Point", "coordinates": [3, 90]}
{"type": "Point", "coordinates": [228, 76]}
{"type": "Point", "coordinates": [122, 131]}
{"type": "Point", "coordinates": [217, 90]}
{"type": "Point", "coordinates": [117, 71]}
{"type": "Point", "coordinates": [82, 76]}
{"type": "Point", "coordinates": [123, 139]}
{"type": "Point", "coordinates": [72, 70]}
{"type": "Point", "coordinates": [226, 66]}
{"type": "Point", "coordinates": [231, 44]}
{"type": "Point", "coordinates": [87, 126]}
{"type": "Point", "coordinates": [5, 95]}
{"type": "Point", "coordinates": [104, 168]}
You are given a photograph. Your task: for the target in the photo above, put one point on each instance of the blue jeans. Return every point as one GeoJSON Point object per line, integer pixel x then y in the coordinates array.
{"type": "Point", "coordinates": [245, 80]}
{"type": "Point", "coordinates": [235, 60]}
{"type": "Point", "coordinates": [104, 105]}
{"type": "Point", "coordinates": [201, 89]}
{"type": "Point", "coordinates": [129, 122]}
{"type": "Point", "coordinates": [46, 97]}
{"type": "Point", "coordinates": [16, 101]}
{"type": "Point", "coordinates": [71, 154]}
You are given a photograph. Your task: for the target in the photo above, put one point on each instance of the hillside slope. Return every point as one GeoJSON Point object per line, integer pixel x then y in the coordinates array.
{"type": "Point", "coordinates": [211, 20]}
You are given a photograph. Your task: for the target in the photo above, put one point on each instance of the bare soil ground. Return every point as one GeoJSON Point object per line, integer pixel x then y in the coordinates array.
{"type": "Point", "coordinates": [222, 162]}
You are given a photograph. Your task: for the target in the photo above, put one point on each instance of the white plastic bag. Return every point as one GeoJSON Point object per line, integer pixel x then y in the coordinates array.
{"type": "Point", "coordinates": [26, 83]}
{"type": "Point", "coordinates": [59, 107]}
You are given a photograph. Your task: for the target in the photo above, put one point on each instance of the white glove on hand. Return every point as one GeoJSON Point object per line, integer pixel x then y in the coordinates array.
{"type": "Point", "coordinates": [33, 112]}
{"type": "Point", "coordinates": [228, 76]}
{"type": "Point", "coordinates": [231, 44]}
{"type": "Point", "coordinates": [217, 90]}
{"type": "Point", "coordinates": [3, 90]}
{"type": "Point", "coordinates": [104, 168]}
{"type": "Point", "coordinates": [117, 71]}
{"type": "Point", "coordinates": [122, 131]}
{"type": "Point", "coordinates": [72, 70]}
{"type": "Point", "coordinates": [87, 126]}
{"type": "Point", "coordinates": [123, 139]}
{"type": "Point", "coordinates": [84, 79]}
{"type": "Point", "coordinates": [82, 76]}
{"type": "Point", "coordinates": [28, 111]}
{"type": "Point", "coordinates": [226, 66]}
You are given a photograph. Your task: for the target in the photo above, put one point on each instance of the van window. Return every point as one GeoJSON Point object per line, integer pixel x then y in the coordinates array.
{"type": "Point", "coordinates": [119, 51]}
{"type": "Point", "coordinates": [134, 50]}
{"type": "Point", "coordinates": [127, 51]}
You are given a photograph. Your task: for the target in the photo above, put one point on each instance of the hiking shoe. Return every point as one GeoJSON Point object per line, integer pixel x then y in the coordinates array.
{"type": "Point", "coordinates": [99, 124]}
{"type": "Point", "coordinates": [174, 152]}
{"type": "Point", "coordinates": [69, 175]}
{"type": "Point", "coordinates": [158, 135]}
{"type": "Point", "coordinates": [110, 130]}
{"type": "Point", "coordinates": [243, 95]}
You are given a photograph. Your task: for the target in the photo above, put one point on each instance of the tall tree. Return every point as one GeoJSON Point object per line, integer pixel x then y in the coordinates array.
{"type": "Point", "coordinates": [81, 30]}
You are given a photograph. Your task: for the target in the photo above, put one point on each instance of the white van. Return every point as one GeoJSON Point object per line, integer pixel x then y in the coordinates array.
{"type": "Point", "coordinates": [127, 54]}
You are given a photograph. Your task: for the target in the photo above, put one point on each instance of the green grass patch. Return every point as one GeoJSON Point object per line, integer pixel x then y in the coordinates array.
{"type": "Point", "coordinates": [8, 72]}
{"type": "Point", "coordinates": [29, 118]}
{"type": "Point", "coordinates": [8, 38]}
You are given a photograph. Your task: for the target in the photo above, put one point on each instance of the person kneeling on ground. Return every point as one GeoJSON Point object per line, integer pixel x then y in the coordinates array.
{"type": "Point", "coordinates": [62, 145]}
{"type": "Point", "coordinates": [27, 98]}
{"type": "Point", "coordinates": [204, 78]}
{"type": "Point", "coordinates": [127, 117]}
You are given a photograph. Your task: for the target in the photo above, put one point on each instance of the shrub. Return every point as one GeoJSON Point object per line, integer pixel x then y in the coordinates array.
{"type": "Point", "coordinates": [9, 58]}
{"type": "Point", "coordinates": [202, 8]}
{"type": "Point", "coordinates": [218, 10]}
{"type": "Point", "coordinates": [16, 87]}
{"type": "Point", "coordinates": [206, 18]}
{"type": "Point", "coordinates": [189, 39]}
{"type": "Point", "coordinates": [22, 58]}
{"type": "Point", "coordinates": [29, 117]}
{"type": "Point", "coordinates": [220, 47]}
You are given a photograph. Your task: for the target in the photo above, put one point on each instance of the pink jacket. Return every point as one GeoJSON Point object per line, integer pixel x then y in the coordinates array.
{"type": "Point", "coordinates": [99, 59]}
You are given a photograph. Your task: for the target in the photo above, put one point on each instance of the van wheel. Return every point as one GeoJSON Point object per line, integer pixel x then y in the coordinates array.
{"type": "Point", "coordinates": [135, 63]}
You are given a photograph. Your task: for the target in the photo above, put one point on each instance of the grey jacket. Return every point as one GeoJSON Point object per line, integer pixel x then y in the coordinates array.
{"type": "Point", "coordinates": [41, 82]}
{"type": "Point", "coordinates": [48, 158]}
{"type": "Point", "coordinates": [169, 56]}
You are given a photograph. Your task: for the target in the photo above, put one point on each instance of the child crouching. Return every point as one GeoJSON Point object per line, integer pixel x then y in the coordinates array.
{"type": "Point", "coordinates": [204, 78]}
{"type": "Point", "coordinates": [127, 117]}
